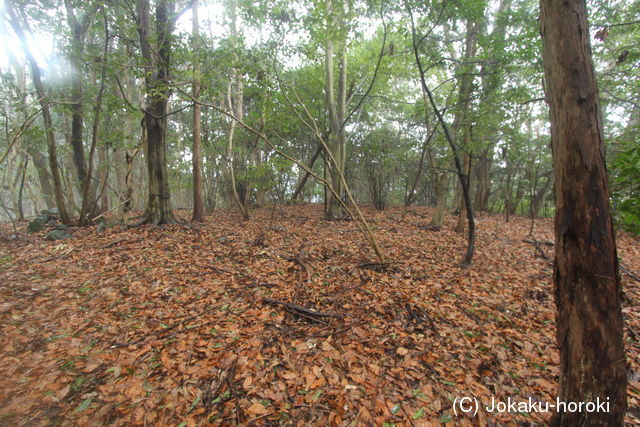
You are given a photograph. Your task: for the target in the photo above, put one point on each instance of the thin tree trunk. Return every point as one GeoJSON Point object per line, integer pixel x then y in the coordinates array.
{"type": "Point", "coordinates": [463, 206]}
{"type": "Point", "coordinates": [542, 191]}
{"type": "Point", "coordinates": [306, 176]}
{"type": "Point", "coordinates": [198, 202]}
{"type": "Point", "coordinates": [442, 187]}
{"type": "Point", "coordinates": [78, 30]}
{"type": "Point", "coordinates": [235, 97]}
{"type": "Point", "coordinates": [515, 202]}
{"type": "Point", "coordinates": [46, 114]}
{"type": "Point", "coordinates": [483, 181]}
{"type": "Point", "coordinates": [464, 182]}
{"type": "Point", "coordinates": [587, 282]}
{"type": "Point", "coordinates": [237, 112]}
{"type": "Point", "coordinates": [22, 172]}
{"type": "Point", "coordinates": [89, 200]}
{"type": "Point", "coordinates": [44, 177]}
{"type": "Point", "coordinates": [335, 105]}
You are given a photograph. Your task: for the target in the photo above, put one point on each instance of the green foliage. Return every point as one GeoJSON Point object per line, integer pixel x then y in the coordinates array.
{"type": "Point", "coordinates": [625, 171]}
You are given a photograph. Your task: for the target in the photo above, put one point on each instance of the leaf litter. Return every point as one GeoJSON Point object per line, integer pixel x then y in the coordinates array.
{"type": "Point", "coordinates": [284, 320]}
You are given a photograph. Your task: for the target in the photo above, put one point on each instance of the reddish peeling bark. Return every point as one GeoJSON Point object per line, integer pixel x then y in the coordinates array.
{"type": "Point", "coordinates": [588, 294]}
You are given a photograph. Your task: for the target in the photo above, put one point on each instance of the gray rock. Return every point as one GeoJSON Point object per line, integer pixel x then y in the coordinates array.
{"type": "Point", "coordinates": [36, 225]}
{"type": "Point", "coordinates": [58, 235]}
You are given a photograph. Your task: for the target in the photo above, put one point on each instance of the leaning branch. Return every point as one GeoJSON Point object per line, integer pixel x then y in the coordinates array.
{"type": "Point", "coordinates": [358, 217]}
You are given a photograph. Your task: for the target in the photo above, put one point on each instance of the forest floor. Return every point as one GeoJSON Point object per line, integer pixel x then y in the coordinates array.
{"type": "Point", "coordinates": [170, 325]}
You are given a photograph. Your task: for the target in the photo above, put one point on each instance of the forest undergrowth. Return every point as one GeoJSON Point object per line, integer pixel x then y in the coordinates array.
{"type": "Point", "coordinates": [285, 319]}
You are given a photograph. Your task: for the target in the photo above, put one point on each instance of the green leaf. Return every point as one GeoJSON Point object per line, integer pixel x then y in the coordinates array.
{"type": "Point", "coordinates": [445, 418]}
{"type": "Point", "coordinates": [83, 406]}
{"type": "Point", "coordinates": [194, 404]}
{"type": "Point", "coordinates": [418, 414]}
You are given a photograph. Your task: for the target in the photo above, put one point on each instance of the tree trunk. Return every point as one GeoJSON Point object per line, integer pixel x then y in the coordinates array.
{"type": "Point", "coordinates": [442, 187]}
{"type": "Point", "coordinates": [235, 101]}
{"type": "Point", "coordinates": [78, 31]}
{"type": "Point", "coordinates": [586, 277]}
{"type": "Point", "coordinates": [305, 178]}
{"type": "Point", "coordinates": [198, 202]}
{"type": "Point", "coordinates": [336, 106]}
{"type": "Point", "coordinates": [542, 191]}
{"type": "Point", "coordinates": [91, 192]}
{"type": "Point", "coordinates": [483, 181]}
{"type": "Point", "coordinates": [464, 178]}
{"type": "Point", "coordinates": [463, 206]}
{"type": "Point", "coordinates": [157, 88]}
{"type": "Point", "coordinates": [44, 177]}
{"type": "Point", "coordinates": [46, 115]}
{"type": "Point", "coordinates": [515, 201]}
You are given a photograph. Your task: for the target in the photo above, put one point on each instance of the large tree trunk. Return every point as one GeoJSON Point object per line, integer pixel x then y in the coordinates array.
{"type": "Point", "coordinates": [157, 87]}
{"type": "Point", "coordinates": [46, 115]}
{"type": "Point", "coordinates": [198, 202]}
{"type": "Point", "coordinates": [587, 282]}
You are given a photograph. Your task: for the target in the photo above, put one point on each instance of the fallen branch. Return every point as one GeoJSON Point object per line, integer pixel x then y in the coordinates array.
{"type": "Point", "coordinates": [378, 266]}
{"type": "Point", "coordinates": [231, 373]}
{"type": "Point", "coordinates": [110, 210]}
{"type": "Point", "coordinates": [629, 273]}
{"type": "Point", "coordinates": [299, 310]}
{"type": "Point", "coordinates": [539, 250]}
{"type": "Point", "coordinates": [258, 285]}
{"type": "Point", "coordinates": [430, 227]}
{"type": "Point", "coordinates": [543, 242]}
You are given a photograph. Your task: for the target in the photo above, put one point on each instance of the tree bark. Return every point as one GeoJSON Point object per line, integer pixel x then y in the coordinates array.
{"type": "Point", "coordinates": [586, 277]}
{"type": "Point", "coordinates": [78, 31]}
{"type": "Point", "coordinates": [442, 187]}
{"type": "Point", "coordinates": [157, 88]}
{"type": "Point", "coordinates": [463, 206]}
{"type": "Point", "coordinates": [462, 122]}
{"type": "Point", "coordinates": [44, 177]}
{"type": "Point", "coordinates": [198, 202]}
{"type": "Point", "coordinates": [89, 195]}
{"type": "Point", "coordinates": [336, 105]}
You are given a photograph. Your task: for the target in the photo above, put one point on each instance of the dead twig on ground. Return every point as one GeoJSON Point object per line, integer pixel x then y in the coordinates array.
{"type": "Point", "coordinates": [629, 273]}
{"type": "Point", "coordinates": [537, 247]}
{"type": "Point", "coordinates": [302, 311]}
